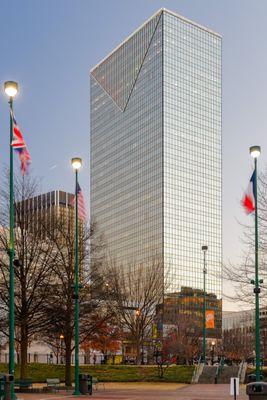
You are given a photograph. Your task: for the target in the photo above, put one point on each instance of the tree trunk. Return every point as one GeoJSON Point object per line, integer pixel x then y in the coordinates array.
{"type": "Point", "coordinates": [23, 352]}
{"type": "Point", "coordinates": [138, 353]}
{"type": "Point", "coordinates": [160, 371]}
{"type": "Point", "coordinates": [68, 362]}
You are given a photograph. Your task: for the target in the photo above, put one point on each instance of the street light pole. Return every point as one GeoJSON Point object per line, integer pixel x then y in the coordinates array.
{"type": "Point", "coordinates": [11, 89]}
{"type": "Point", "coordinates": [204, 249]}
{"type": "Point", "coordinates": [255, 152]}
{"type": "Point", "coordinates": [76, 164]}
{"type": "Point", "coordinates": [212, 352]}
{"type": "Point", "coordinates": [61, 338]}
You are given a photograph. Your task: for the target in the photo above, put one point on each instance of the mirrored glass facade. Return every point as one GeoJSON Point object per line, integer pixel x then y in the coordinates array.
{"type": "Point", "coordinates": [156, 150]}
{"type": "Point", "coordinates": [127, 146]}
{"type": "Point", "coordinates": [192, 153]}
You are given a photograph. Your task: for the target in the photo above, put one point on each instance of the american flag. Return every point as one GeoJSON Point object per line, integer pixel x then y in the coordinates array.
{"type": "Point", "coordinates": [19, 145]}
{"type": "Point", "coordinates": [81, 204]}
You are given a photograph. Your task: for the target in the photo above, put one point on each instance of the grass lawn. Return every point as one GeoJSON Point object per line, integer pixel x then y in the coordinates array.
{"type": "Point", "coordinates": [110, 373]}
{"type": "Point", "coordinates": [252, 370]}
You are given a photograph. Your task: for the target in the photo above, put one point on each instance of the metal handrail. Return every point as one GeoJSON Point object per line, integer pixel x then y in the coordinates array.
{"type": "Point", "coordinates": [240, 369]}
{"type": "Point", "coordinates": [219, 369]}
{"type": "Point", "coordinates": [196, 369]}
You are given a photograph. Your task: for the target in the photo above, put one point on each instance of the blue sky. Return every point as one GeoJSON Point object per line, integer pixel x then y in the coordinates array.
{"type": "Point", "coordinates": [50, 46]}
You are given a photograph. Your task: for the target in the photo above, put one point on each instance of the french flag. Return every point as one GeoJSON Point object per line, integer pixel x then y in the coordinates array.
{"type": "Point", "coordinates": [248, 201]}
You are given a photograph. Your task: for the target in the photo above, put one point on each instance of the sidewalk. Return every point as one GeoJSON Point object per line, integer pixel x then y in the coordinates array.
{"type": "Point", "coordinates": [146, 391]}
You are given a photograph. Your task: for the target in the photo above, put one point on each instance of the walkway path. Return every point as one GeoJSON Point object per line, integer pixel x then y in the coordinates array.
{"type": "Point", "coordinates": [149, 391]}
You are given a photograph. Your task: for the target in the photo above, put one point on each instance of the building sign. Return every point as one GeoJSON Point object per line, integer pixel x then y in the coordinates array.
{"type": "Point", "coordinates": [210, 321]}
{"type": "Point", "coordinates": [154, 331]}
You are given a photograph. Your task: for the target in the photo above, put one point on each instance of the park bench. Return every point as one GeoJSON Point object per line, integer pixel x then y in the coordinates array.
{"type": "Point", "coordinates": [53, 383]}
{"type": "Point", "coordinates": [96, 384]}
{"type": "Point", "coordinates": [23, 383]}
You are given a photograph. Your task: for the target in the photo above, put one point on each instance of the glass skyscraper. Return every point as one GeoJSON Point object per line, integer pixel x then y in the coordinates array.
{"type": "Point", "coordinates": [156, 149]}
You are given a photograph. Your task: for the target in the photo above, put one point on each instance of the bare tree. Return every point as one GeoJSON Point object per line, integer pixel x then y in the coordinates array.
{"type": "Point", "coordinates": [242, 275]}
{"type": "Point", "coordinates": [32, 267]}
{"type": "Point", "coordinates": [163, 358]}
{"type": "Point", "coordinates": [59, 305]}
{"type": "Point", "coordinates": [238, 343]}
{"type": "Point", "coordinates": [183, 339]}
{"type": "Point", "coordinates": [179, 345]}
{"type": "Point", "coordinates": [135, 291]}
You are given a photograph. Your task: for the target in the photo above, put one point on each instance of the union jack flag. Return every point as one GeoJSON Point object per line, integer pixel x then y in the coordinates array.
{"type": "Point", "coordinates": [19, 145]}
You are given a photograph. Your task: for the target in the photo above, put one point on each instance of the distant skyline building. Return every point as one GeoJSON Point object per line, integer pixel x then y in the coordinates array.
{"type": "Point", "coordinates": [155, 150]}
{"type": "Point", "coordinates": [239, 333]}
{"type": "Point", "coordinates": [45, 206]}
{"type": "Point", "coordinates": [177, 306]}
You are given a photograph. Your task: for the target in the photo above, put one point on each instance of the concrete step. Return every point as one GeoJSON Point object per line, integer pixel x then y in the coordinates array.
{"type": "Point", "coordinates": [208, 374]}
{"type": "Point", "coordinates": [227, 373]}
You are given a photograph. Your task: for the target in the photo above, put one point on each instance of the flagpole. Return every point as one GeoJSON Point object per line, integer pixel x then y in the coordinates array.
{"type": "Point", "coordinates": [204, 249]}
{"type": "Point", "coordinates": [11, 259]}
{"type": "Point", "coordinates": [11, 89]}
{"type": "Point", "coordinates": [77, 392]}
{"type": "Point", "coordinates": [76, 164]}
{"type": "Point", "coordinates": [255, 152]}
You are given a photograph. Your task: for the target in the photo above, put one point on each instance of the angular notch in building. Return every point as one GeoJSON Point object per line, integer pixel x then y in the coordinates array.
{"type": "Point", "coordinates": [118, 73]}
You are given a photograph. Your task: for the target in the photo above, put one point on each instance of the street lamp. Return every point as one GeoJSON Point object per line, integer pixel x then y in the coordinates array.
{"type": "Point", "coordinates": [61, 338]}
{"type": "Point", "coordinates": [255, 152]}
{"type": "Point", "coordinates": [204, 249]}
{"type": "Point", "coordinates": [138, 326]}
{"type": "Point", "coordinates": [11, 89]}
{"type": "Point", "coordinates": [212, 352]}
{"type": "Point", "coordinates": [76, 164]}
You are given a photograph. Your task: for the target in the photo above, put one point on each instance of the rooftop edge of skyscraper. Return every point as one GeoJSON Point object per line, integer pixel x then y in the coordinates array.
{"type": "Point", "coordinates": [161, 10]}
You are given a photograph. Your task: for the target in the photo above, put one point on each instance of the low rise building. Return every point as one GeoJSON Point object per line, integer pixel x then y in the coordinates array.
{"type": "Point", "coordinates": [239, 334]}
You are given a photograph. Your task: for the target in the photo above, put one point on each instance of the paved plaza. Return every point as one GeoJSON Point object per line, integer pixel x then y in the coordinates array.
{"type": "Point", "coordinates": [151, 391]}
